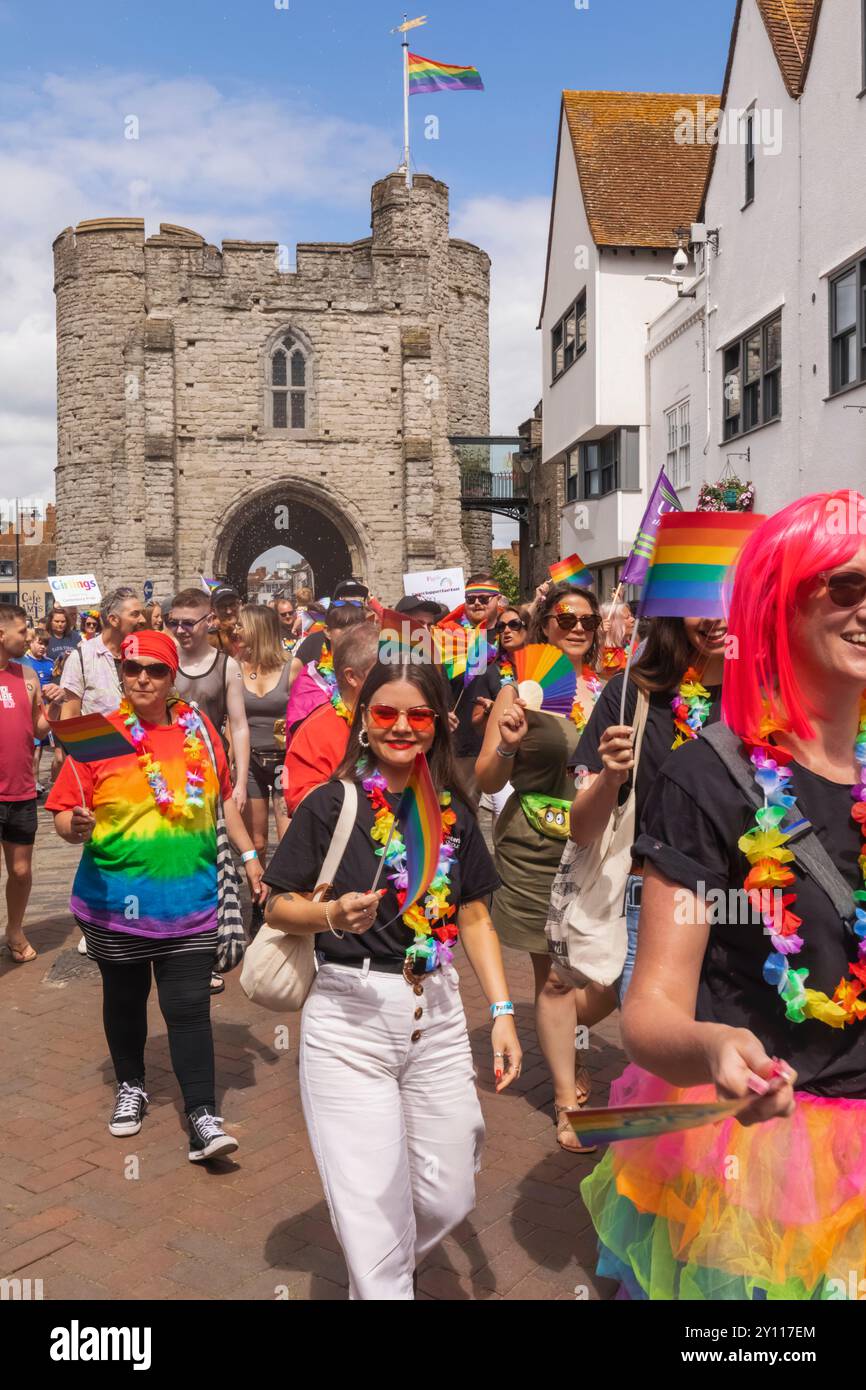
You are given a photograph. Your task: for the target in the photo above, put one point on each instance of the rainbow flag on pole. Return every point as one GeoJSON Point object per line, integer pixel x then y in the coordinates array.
{"type": "Point", "coordinates": [693, 555]}
{"type": "Point", "coordinates": [89, 738]}
{"type": "Point", "coordinates": [571, 571]}
{"type": "Point", "coordinates": [425, 75]}
{"type": "Point", "coordinates": [419, 817]}
{"type": "Point", "coordinates": [663, 498]}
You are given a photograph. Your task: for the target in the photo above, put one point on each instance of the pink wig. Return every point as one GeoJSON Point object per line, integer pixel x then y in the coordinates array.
{"type": "Point", "coordinates": [776, 569]}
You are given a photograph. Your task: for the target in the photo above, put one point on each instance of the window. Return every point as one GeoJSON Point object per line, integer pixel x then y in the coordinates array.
{"type": "Point", "coordinates": [752, 386]}
{"type": "Point", "coordinates": [568, 337]}
{"type": "Point", "coordinates": [749, 143]}
{"type": "Point", "coordinates": [572, 476]}
{"type": "Point", "coordinates": [678, 462]}
{"type": "Point", "coordinates": [599, 466]}
{"type": "Point", "coordinates": [288, 383]}
{"type": "Point", "coordinates": [7, 569]}
{"type": "Point", "coordinates": [848, 327]}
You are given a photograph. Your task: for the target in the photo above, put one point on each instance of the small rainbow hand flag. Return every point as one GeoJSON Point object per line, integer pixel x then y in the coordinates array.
{"type": "Point", "coordinates": [425, 75]}
{"type": "Point", "coordinates": [692, 559]}
{"type": "Point", "coordinates": [645, 1121]}
{"type": "Point", "coordinates": [419, 818]}
{"type": "Point", "coordinates": [90, 738]}
{"type": "Point", "coordinates": [571, 571]}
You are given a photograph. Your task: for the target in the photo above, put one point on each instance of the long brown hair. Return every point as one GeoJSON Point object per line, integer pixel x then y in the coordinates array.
{"type": "Point", "coordinates": [667, 656]}
{"type": "Point", "coordinates": [440, 756]}
{"type": "Point", "coordinates": [546, 607]}
{"type": "Point", "coordinates": [262, 637]}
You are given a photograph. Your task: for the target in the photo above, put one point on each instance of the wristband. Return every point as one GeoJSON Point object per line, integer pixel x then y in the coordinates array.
{"type": "Point", "coordinates": [503, 752]}
{"type": "Point", "coordinates": [499, 1010]}
{"type": "Point", "coordinates": [249, 854]}
{"type": "Point", "coordinates": [331, 928]}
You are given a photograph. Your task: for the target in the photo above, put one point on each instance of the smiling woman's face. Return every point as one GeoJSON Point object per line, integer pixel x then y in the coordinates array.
{"type": "Point", "coordinates": [828, 639]}
{"type": "Point", "coordinates": [707, 636]}
{"type": "Point", "coordinates": [397, 726]}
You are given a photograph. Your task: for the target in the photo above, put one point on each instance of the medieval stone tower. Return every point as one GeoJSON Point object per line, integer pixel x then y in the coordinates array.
{"type": "Point", "coordinates": [212, 404]}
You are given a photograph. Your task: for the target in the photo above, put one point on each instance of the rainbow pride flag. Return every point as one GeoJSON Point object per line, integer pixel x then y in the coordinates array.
{"type": "Point", "coordinates": [90, 738]}
{"type": "Point", "coordinates": [612, 1125]}
{"type": "Point", "coordinates": [419, 818]}
{"type": "Point", "coordinates": [571, 571]}
{"type": "Point", "coordinates": [425, 75]}
{"type": "Point", "coordinates": [692, 557]}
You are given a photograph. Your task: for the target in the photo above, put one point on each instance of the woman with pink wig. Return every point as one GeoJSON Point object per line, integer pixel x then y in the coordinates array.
{"type": "Point", "coordinates": [757, 992]}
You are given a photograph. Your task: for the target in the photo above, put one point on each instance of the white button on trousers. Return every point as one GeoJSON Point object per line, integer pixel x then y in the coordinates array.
{"type": "Point", "coordinates": [393, 1117]}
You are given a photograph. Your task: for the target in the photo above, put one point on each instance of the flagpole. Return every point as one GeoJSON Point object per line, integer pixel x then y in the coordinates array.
{"type": "Point", "coordinates": [406, 107]}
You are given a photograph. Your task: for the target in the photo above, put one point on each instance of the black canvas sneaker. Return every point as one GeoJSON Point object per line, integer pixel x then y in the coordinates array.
{"type": "Point", "coordinates": [129, 1108]}
{"type": "Point", "coordinates": [207, 1138]}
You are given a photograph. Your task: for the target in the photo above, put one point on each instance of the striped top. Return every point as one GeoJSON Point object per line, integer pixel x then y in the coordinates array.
{"type": "Point", "coordinates": [142, 873]}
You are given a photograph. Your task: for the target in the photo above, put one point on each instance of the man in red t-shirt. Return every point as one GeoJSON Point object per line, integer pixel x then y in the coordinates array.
{"type": "Point", "coordinates": [319, 743]}
{"type": "Point", "coordinates": [22, 719]}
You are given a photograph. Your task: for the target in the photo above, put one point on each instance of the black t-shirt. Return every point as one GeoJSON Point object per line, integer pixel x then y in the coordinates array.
{"type": "Point", "coordinates": [312, 647]}
{"type": "Point", "coordinates": [301, 852]}
{"type": "Point", "coordinates": [657, 740]}
{"type": "Point", "coordinates": [694, 820]}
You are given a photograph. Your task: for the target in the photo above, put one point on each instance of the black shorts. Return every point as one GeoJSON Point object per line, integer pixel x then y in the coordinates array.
{"type": "Point", "coordinates": [18, 822]}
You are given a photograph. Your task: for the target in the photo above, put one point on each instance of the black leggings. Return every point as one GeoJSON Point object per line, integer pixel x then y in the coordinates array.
{"type": "Point", "coordinates": [183, 986]}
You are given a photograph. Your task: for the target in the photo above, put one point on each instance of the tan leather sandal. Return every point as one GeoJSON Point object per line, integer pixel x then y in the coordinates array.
{"type": "Point", "coordinates": [563, 1128]}
{"type": "Point", "coordinates": [583, 1086]}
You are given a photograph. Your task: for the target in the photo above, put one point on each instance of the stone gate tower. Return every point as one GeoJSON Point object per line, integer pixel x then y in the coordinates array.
{"type": "Point", "coordinates": [213, 404]}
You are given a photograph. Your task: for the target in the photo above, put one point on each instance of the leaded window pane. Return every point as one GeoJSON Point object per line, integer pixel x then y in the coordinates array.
{"type": "Point", "coordinates": [299, 369]}
{"type": "Point", "coordinates": [279, 410]}
{"type": "Point", "coordinates": [278, 369]}
{"type": "Point", "coordinates": [298, 410]}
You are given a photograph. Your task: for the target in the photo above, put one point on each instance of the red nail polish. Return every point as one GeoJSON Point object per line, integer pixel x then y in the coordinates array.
{"type": "Point", "coordinates": [498, 1075]}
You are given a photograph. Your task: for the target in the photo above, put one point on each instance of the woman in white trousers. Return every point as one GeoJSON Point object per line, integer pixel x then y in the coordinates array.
{"type": "Point", "coordinates": [387, 1078]}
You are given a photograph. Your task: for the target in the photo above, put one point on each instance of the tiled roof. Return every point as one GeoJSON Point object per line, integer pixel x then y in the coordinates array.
{"type": "Point", "coordinates": [791, 25]}
{"type": "Point", "coordinates": [637, 182]}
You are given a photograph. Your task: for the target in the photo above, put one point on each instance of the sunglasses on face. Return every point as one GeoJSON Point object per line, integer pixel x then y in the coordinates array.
{"type": "Point", "coordinates": [587, 622]}
{"type": "Point", "coordinates": [420, 717]}
{"type": "Point", "coordinates": [185, 624]}
{"type": "Point", "coordinates": [845, 590]}
{"type": "Point", "coordinates": [513, 625]}
{"type": "Point", "coordinates": [157, 670]}
{"type": "Point", "coordinates": [481, 595]}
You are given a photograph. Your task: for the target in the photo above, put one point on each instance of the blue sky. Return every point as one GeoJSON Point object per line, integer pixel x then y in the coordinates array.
{"type": "Point", "coordinates": [258, 121]}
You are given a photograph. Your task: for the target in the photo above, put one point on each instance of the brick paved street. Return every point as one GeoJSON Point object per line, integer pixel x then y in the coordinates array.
{"type": "Point", "coordinates": [72, 1214]}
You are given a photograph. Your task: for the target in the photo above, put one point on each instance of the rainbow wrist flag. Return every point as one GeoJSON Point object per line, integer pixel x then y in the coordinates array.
{"type": "Point", "coordinates": [571, 571]}
{"type": "Point", "coordinates": [419, 818]}
{"type": "Point", "coordinates": [425, 75]}
{"type": "Point", "coordinates": [89, 738]}
{"type": "Point", "coordinates": [692, 559]}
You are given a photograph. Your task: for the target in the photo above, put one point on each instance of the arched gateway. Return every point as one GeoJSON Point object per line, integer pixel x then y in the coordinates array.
{"type": "Point", "coordinates": [202, 388]}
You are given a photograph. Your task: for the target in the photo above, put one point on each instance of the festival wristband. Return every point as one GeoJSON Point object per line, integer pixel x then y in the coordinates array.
{"type": "Point", "coordinates": [503, 752]}
{"type": "Point", "coordinates": [249, 854]}
{"type": "Point", "coordinates": [499, 1010]}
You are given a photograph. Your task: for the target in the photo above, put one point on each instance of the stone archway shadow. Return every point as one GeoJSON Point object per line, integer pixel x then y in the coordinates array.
{"type": "Point", "coordinates": [295, 514]}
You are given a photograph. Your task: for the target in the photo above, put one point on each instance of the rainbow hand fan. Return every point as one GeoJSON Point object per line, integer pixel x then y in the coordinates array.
{"type": "Point", "coordinates": [546, 679]}
{"type": "Point", "coordinates": [646, 1121]}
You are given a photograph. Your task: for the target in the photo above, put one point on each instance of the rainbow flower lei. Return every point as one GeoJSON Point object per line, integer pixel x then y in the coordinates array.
{"type": "Point", "coordinates": [614, 659]}
{"type": "Point", "coordinates": [691, 706]}
{"type": "Point", "coordinates": [764, 847]}
{"type": "Point", "coordinates": [194, 754]}
{"type": "Point", "coordinates": [325, 668]}
{"type": "Point", "coordinates": [594, 685]}
{"type": "Point", "coordinates": [432, 923]}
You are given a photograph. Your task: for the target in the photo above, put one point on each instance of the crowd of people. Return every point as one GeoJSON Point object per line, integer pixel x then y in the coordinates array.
{"type": "Point", "coordinates": [739, 750]}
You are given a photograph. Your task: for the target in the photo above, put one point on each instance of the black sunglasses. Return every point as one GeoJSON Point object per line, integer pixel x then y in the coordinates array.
{"type": "Point", "coordinates": [845, 590]}
{"type": "Point", "coordinates": [185, 624]}
{"type": "Point", "coordinates": [157, 670]}
{"type": "Point", "coordinates": [588, 622]}
{"type": "Point", "coordinates": [513, 625]}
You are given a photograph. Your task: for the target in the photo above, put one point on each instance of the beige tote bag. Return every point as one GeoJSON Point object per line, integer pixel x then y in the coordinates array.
{"type": "Point", "coordinates": [586, 929]}
{"type": "Point", "coordinates": [279, 968]}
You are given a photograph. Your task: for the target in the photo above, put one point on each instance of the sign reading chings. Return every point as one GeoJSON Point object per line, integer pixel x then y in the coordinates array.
{"type": "Point", "coordinates": [445, 586]}
{"type": "Point", "coordinates": [74, 590]}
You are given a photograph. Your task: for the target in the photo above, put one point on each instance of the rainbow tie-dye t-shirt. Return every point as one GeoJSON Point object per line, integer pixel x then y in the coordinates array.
{"type": "Point", "coordinates": [141, 872]}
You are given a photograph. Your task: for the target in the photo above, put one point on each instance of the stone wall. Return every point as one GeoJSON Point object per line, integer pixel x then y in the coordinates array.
{"type": "Point", "coordinates": [164, 427]}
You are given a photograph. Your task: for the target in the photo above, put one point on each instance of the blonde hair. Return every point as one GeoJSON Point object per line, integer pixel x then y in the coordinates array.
{"type": "Point", "coordinates": [262, 636]}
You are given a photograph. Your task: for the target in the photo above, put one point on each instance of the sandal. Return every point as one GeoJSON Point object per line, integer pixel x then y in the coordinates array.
{"type": "Point", "coordinates": [217, 983]}
{"type": "Point", "coordinates": [582, 1086]}
{"type": "Point", "coordinates": [563, 1127]}
{"type": "Point", "coordinates": [21, 954]}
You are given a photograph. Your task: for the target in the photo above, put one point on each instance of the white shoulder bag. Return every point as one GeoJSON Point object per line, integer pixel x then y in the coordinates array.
{"type": "Point", "coordinates": [279, 968]}
{"type": "Point", "coordinates": [586, 929]}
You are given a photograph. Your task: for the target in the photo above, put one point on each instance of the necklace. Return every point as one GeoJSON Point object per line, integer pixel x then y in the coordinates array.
{"type": "Point", "coordinates": [194, 756]}
{"type": "Point", "coordinates": [765, 848]}
{"type": "Point", "coordinates": [325, 668]}
{"type": "Point", "coordinates": [431, 921]}
{"type": "Point", "coordinates": [691, 706]}
{"type": "Point", "coordinates": [593, 684]}
{"type": "Point", "coordinates": [340, 706]}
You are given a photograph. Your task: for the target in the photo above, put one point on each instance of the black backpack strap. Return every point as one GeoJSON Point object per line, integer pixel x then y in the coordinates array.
{"type": "Point", "coordinates": [805, 846]}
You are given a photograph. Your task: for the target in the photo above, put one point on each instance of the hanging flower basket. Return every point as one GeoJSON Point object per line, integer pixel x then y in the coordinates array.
{"type": "Point", "coordinates": [727, 495]}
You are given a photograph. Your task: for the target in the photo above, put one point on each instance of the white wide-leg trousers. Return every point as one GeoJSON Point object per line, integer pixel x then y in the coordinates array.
{"type": "Point", "coordinates": [388, 1091]}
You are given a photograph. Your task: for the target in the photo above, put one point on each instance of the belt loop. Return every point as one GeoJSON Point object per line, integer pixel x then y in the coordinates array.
{"type": "Point", "coordinates": [365, 968]}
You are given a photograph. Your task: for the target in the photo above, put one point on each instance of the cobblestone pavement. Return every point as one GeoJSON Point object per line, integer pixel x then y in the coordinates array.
{"type": "Point", "coordinates": [95, 1217]}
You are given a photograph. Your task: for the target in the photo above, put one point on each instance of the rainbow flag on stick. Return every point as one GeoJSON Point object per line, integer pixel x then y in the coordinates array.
{"type": "Point", "coordinates": [663, 498]}
{"type": "Point", "coordinates": [89, 738]}
{"type": "Point", "coordinates": [419, 817]}
{"type": "Point", "coordinates": [425, 75]}
{"type": "Point", "coordinates": [693, 555]}
{"type": "Point", "coordinates": [571, 571]}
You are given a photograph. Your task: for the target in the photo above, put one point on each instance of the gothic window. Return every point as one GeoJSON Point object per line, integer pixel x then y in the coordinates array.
{"type": "Point", "coordinates": [288, 384]}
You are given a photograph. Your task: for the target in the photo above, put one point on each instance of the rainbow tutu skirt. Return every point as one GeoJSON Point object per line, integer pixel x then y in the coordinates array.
{"type": "Point", "coordinates": [768, 1211]}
